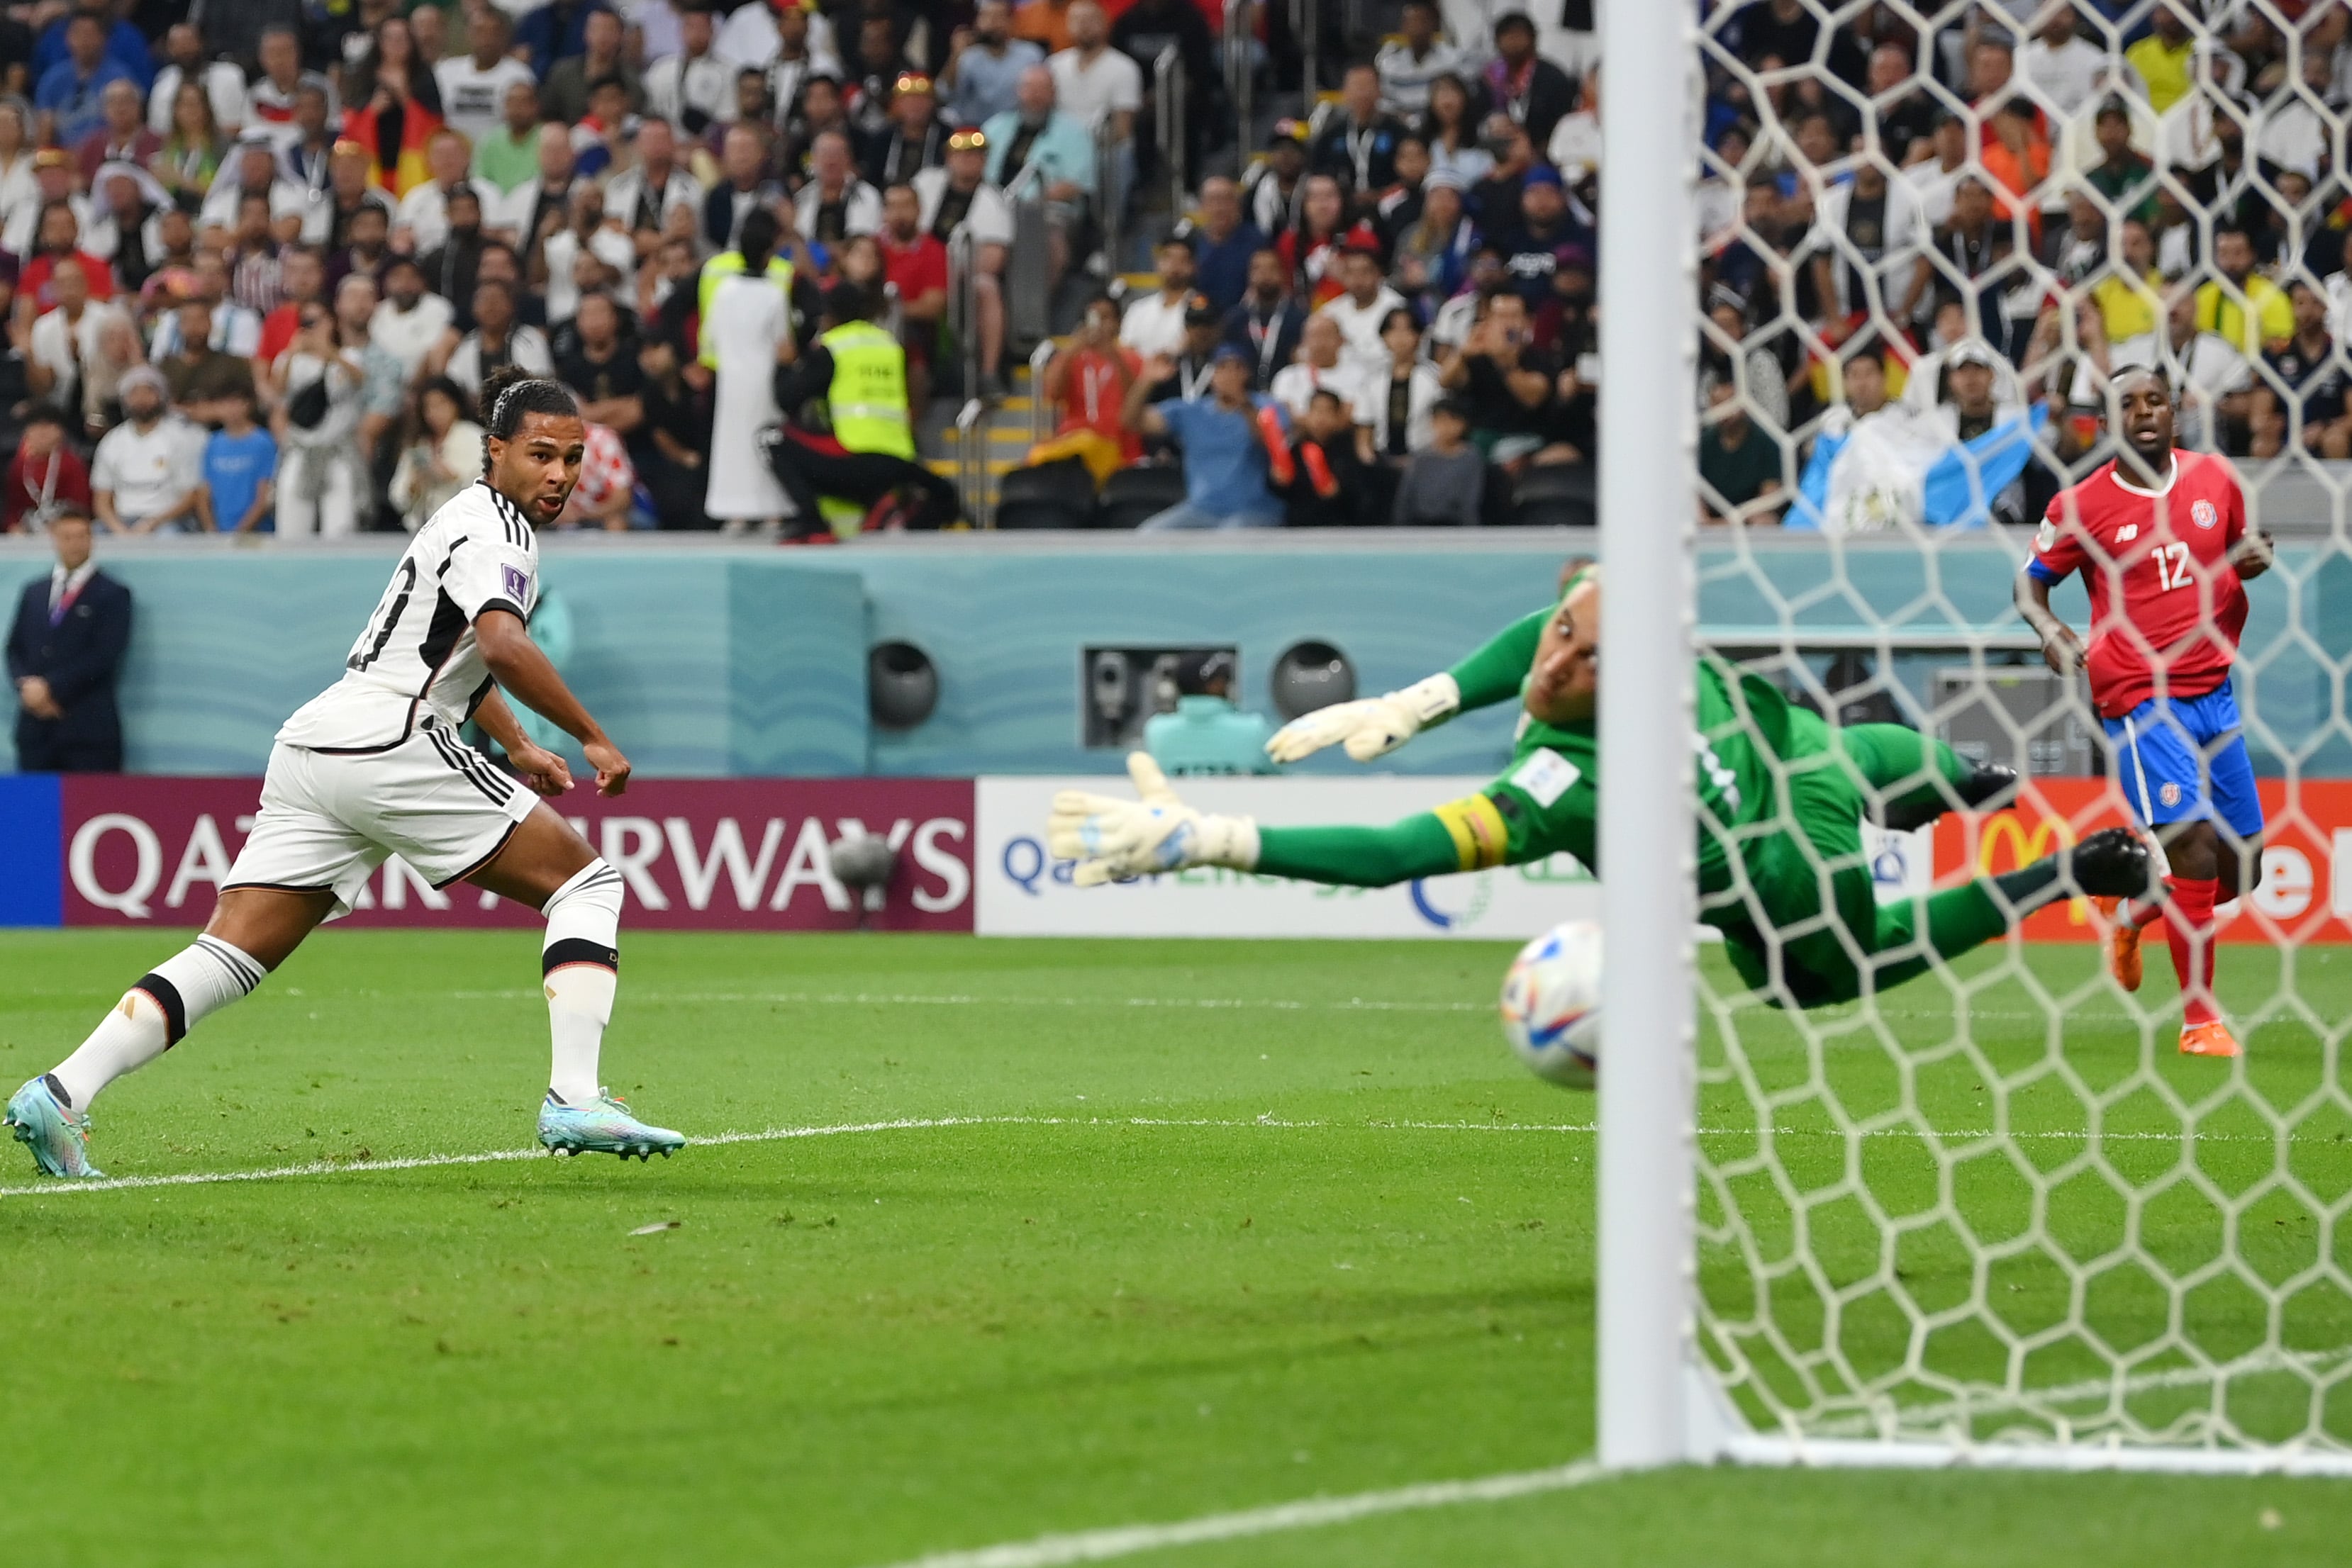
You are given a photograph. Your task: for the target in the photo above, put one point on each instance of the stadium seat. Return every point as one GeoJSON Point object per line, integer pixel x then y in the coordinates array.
{"type": "Point", "coordinates": [1135, 493]}
{"type": "Point", "coordinates": [1049, 495]}
{"type": "Point", "coordinates": [1556, 496]}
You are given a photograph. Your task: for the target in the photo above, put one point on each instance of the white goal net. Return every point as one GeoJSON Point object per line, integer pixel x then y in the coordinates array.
{"type": "Point", "coordinates": [1992, 1213]}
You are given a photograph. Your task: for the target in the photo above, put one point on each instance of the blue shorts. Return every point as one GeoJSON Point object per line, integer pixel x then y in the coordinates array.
{"type": "Point", "coordinates": [2183, 759]}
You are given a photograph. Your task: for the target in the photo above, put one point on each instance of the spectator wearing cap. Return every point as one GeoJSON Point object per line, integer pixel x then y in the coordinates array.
{"type": "Point", "coordinates": [1196, 361]}
{"type": "Point", "coordinates": [1222, 242]}
{"type": "Point", "coordinates": [1551, 237]}
{"type": "Point", "coordinates": [64, 649]}
{"type": "Point", "coordinates": [695, 87]}
{"type": "Point", "coordinates": [1411, 62]}
{"type": "Point", "coordinates": [1208, 735]}
{"type": "Point", "coordinates": [1524, 85]}
{"type": "Point", "coordinates": [565, 91]}
{"type": "Point", "coordinates": [1270, 191]}
{"type": "Point", "coordinates": [914, 139]}
{"type": "Point", "coordinates": [1228, 440]}
{"type": "Point", "coordinates": [71, 93]}
{"type": "Point", "coordinates": [1267, 323]}
{"type": "Point", "coordinates": [144, 474]}
{"type": "Point", "coordinates": [957, 198]}
{"type": "Point", "coordinates": [986, 61]}
{"type": "Point", "coordinates": [1155, 323]}
{"type": "Point", "coordinates": [1358, 147]}
{"type": "Point", "coordinates": [1360, 311]}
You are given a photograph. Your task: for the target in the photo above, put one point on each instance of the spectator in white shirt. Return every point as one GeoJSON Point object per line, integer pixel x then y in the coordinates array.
{"type": "Point", "coordinates": [254, 167]}
{"type": "Point", "coordinates": [958, 199]}
{"type": "Point", "coordinates": [1409, 64]}
{"type": "Point", "coordinates": [756, 36]}
{"type": "Point", "coordinates": [2210, 379]}
{"type": "Point", "coordinates": [496, 339]}
{"type": "Point", "coordinates": [1363, 308]}
{"type": "Point", "coordinates": [588, 254]}
{"type": "Point", "coordinates": [409, 322]}
{"type": "Point", "coordinates": [422, 220]}
{"type": "Point", "coordinates": [64, 340]}
{"type": "Point", "coordinates": [834, 204]}
{"type": "Point", "coordinates": [1575, 148]}
{"type": "Point", "coordinates": [1155, 323]}
{"type": "Point", "coordinates": [145, 472]}
{"type": "Point", "coordinates": [1322, 366]}
{"type": "Point", "coordinates": [2065, 69]}
{"type": "Point", "coordinates": [694, 89]}
{"type": "Point", "coordinates": [1093, 80]}
{"type": "Point", "coordinates": [474, 85]}
{"type": "Point", "coordinates": [224, 84]}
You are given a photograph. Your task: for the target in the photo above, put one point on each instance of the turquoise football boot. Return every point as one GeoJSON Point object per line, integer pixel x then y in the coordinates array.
{"type": "Point", "coordinates": [604, 1127]}
{"type": "Point", "coordinates": [58, 1138]}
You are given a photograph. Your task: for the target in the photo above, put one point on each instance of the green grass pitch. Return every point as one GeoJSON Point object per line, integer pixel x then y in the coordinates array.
{"type": "Point", "coordinates": [1319, 1238]}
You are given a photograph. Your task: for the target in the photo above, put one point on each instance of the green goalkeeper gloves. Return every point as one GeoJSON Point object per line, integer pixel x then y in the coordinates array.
{"type": "Point", "coordinates": [1372, 727]}
{"type": "Point", "coordinates": [1115, 840]}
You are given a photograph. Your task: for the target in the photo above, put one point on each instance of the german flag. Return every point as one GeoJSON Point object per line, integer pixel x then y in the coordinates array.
{"type": "Point", "coordinates": [402, 170]}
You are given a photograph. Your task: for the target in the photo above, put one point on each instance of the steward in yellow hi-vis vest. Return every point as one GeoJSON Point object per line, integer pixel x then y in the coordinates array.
{"type": "Point", "coordinates": [859, 372]}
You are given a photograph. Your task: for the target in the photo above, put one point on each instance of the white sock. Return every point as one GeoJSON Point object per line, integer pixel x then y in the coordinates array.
{"type": "Point", "coordinates": [581, 965]}
{"type": "Point", "coordinates": [154, 1015]}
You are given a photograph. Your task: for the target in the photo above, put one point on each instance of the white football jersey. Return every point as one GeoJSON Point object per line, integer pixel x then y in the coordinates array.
{"type": "Point", "coordinates": [417, 665]}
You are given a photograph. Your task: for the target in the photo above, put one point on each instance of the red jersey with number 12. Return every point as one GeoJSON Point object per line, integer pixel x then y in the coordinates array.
{"type": "Point", "coordinates": [2167, 606]}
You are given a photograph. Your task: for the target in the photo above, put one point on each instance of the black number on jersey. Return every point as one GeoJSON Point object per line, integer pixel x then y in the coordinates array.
{"type": "Point", "coordinates": [391, 616]}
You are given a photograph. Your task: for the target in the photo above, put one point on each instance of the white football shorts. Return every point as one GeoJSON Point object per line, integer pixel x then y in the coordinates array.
{"type": "Point", "coordinates": [328, 820]}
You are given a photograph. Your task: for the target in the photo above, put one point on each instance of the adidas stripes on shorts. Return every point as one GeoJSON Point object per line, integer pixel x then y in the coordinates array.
{"type": "Point", "coordinates": [329, 820]}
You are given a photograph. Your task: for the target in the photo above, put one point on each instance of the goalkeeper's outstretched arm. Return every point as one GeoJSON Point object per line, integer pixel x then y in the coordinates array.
{"type": "Point", "coordinates": [1113, 840]}
{"type": "Point", "coordinates": [1375, 727]}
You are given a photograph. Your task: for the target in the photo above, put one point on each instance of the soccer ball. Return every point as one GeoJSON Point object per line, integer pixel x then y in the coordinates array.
{"type": "Point", "coordinates": [1551, 1004]}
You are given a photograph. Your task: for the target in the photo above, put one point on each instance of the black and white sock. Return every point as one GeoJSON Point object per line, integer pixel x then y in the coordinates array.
{"type": "Point", "coordinates": [153, 1015]}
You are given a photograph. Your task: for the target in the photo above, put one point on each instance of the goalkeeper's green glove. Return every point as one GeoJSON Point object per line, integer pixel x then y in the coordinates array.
{"type": "Point", "coordinates": [1115, 841]}
{"type": "Point", "coordinates": [1372, 727]}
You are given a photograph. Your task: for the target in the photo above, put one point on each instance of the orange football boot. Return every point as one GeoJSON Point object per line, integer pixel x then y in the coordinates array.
{"type": "Point", "coordinates": [2123, 943]}
{"type": "Point", "coordinates": [2213, 1039]}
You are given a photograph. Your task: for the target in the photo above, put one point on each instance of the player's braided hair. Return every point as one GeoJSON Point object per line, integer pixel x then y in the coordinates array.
{"type": "Point", "coordinates": [511, 392]}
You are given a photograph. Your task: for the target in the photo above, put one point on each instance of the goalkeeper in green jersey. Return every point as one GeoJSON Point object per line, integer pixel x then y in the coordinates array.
{"type": "Point", "coordinates": [1781, 798]}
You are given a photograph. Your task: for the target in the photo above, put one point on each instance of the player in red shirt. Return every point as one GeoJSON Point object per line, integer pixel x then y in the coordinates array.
{"type": "Point", "coordinates": [2160, 538]}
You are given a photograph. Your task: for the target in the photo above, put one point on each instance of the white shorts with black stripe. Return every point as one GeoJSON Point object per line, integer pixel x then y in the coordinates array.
{"type": "Point", "coordinates": [328, 820]}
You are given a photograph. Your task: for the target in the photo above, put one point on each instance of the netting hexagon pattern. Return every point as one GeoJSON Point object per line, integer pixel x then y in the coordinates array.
{"type": "Point", "coordinates": [1996, 1202]}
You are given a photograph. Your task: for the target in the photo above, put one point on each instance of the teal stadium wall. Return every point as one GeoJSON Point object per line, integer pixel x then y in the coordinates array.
{"type": "Point", "coordinates": [708, 661]}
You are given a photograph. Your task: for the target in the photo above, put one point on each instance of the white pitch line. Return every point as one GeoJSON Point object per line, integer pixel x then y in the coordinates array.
{"type": "Point", "coordinates": [1308, 1513]}
{"type": "Point", "coordinates": [894, 999]}
{"type": "Point", "coordinates": [921, 1124]}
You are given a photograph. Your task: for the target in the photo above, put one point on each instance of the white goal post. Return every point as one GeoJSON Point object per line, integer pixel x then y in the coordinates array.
{"type": "Point", "coordinates": [1769, 1182]}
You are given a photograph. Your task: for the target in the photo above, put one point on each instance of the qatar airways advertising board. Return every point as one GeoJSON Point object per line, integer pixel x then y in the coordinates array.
{"type": "Point", "coordinates": [716, 855]}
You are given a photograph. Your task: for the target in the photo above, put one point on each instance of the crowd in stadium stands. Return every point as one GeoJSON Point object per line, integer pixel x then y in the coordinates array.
{"type": "Point", "coordinates": [257, 260]}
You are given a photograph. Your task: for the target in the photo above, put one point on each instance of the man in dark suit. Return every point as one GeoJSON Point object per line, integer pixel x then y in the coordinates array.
{"type": "Point", "coordinates": [64, 653]}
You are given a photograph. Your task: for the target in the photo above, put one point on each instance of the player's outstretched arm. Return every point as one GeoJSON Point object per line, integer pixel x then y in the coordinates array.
{"type": "Point", "coordinates": [2062, 650]}
{"type": "Point", "coordinates": [521, 669]}
{"type": "Point", "coordinates": [1374, 726]}
{"type": "Point", "coordinates": [1113, 841]}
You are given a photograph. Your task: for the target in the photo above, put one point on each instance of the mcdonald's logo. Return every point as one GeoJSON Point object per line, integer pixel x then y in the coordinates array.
{"type": "Point", "coordinates": [2026, 845]}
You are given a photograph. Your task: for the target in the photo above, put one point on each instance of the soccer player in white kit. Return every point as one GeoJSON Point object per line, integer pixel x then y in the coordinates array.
{"type": "Point", "coordinates": [373, 766]}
